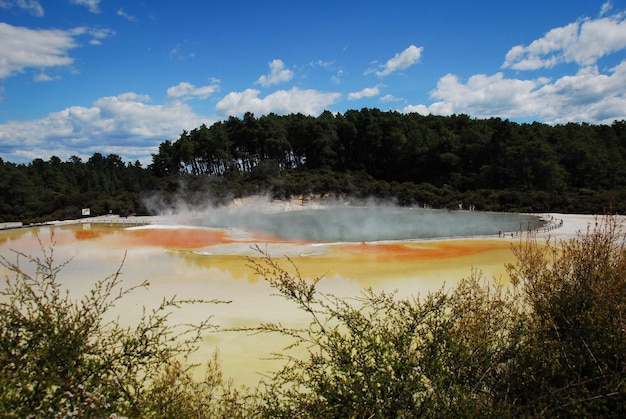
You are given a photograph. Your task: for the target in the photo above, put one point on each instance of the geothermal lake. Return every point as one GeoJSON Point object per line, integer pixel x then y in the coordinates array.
{"type": "Point", "coordinates": [364, 224]}
{"type": "Point", "coordinates": [204, 256]}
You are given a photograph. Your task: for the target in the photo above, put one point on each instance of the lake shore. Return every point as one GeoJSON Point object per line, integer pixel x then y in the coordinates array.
{"type": "Point", "coordinates": [570, 226]}
{"type": "Point", "coordinates": [558, 225]}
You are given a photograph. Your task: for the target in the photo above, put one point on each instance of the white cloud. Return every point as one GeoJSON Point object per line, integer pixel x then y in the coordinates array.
{"type": "Point", "coordinates": [126, 16]}
{"type": "Point", "coordinates": [309, 102]}
{"type": "Point", "coordinates": [323, 64]}
{"type": "Point", "coordinates": [484, 95]}
{"type": "Point", "coordinates": [606, 7]}
{"type": "Point", "coordinates": [22, 48]}
{"type": "Point", "coordinates": [92, 5]}
{"type": "Point", "coordinates": [588, 96]}
{"type": "Point", "coordinates": [367, 92]}
{"type": "Point", "coordinates": [97, 34]}
{"type": "Point", "coordinates": [390, 98]}
{"type": "Point", "coordinates": [44, 77]}
{"type": "Point", "coordinates": [126, 124]}
{"type": "Point", "coordinates": [131, 114]}
{"type": "Point", "coordinates": [420, 109]}
{"type": "Point", "coordinates": [582, 42]}
{"type": "Point", "coordinates": [185, 90]}
{"type": "Point", "coordinates": [31, 6]}
{"type": "Point", "coordinates": [278, 74]}
{"type": "Point", "coordinates": [401, 61]}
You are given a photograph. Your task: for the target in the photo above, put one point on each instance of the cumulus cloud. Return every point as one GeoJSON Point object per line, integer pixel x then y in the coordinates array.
{"type": "Point", "coordinates": [22, 48]}
{"type": "Point", "coordinates": [278, 74]}
{"type": "Point", "coordinates": [367, 92]}
{"type": "Point", "coordinates": [401, 61]}
{"type": "Point", "coordinates": [420, 109]}
{"type": "Point", "coordinates": [309, 102]}
{"type": "Point", "coordinates": [185, 90]}
{"type": "Point", "coordinates": [485, 95]}
{"type": "Point", "coordinates": [127, 125]}
{"type": "Point", "coordinates": [31, 6]}
{"type": "Point", "coordinates": [587, 96]}
{"type": "Point", "coordinates": [92, 5]}
{"type": "Point", "coordinates": [583, 42]}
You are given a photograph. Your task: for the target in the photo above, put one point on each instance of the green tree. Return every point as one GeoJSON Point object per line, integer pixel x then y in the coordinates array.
{"type": "Point", "coordinates": [166, 162]}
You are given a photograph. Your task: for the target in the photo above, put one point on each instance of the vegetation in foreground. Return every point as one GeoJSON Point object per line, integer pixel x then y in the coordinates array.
{"type": "Point", "coordinates": [552, 343]}
{"type": "Point", "coordinates": [64, 357]}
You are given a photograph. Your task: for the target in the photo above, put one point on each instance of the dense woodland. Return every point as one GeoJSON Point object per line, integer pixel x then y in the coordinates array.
{"type": "Point", "coordinates": [435, 161]}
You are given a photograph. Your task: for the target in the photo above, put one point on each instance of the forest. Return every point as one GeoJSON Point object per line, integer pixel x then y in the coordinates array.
{"type": "Point", "coordinates": [414, 160]}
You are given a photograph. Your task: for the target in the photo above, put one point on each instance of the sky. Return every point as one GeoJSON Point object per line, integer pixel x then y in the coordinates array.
{"type": "Point", "coordinates": [79, 77]}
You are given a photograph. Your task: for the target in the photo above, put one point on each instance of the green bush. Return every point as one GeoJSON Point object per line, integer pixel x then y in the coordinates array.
{"type": "Point", "coordinates": [572, 360]}
{"type": "Point", "coordinates": [61, 357]}
{"type": "Point", "coordinates": [551, 343]}
{"type": "Point", "coordinates": [377, 356]}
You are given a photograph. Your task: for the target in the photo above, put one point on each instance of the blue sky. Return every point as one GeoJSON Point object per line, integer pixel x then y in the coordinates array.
{"type": "Point", "coordinates": [110, 76]}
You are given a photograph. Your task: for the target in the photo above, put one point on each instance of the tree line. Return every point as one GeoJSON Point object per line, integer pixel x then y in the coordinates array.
{"type": "Point", "coordinates": [438, 161]}
{"type": "Point", "coordinates": [56, 189]}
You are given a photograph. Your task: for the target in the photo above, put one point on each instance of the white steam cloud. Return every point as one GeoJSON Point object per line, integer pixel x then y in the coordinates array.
{"type": "Point", "coordinates": [335, 221]}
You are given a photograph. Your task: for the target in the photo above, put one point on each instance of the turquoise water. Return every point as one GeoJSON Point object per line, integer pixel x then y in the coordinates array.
{"type": "Point", "coordinates": [379, 223]}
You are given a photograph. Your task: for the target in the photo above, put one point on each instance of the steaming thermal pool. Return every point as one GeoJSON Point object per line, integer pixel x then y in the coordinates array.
{"type": "Point", "coordinates": [366, 224]}
{"type": "Point", "coordinates": [201, 256]}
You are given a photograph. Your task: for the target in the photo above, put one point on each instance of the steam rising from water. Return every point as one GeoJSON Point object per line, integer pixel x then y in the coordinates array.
{"type": "Point", "coordinates": [357, 224]}
{"type": "Point", "coordinates": [346, 223]}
